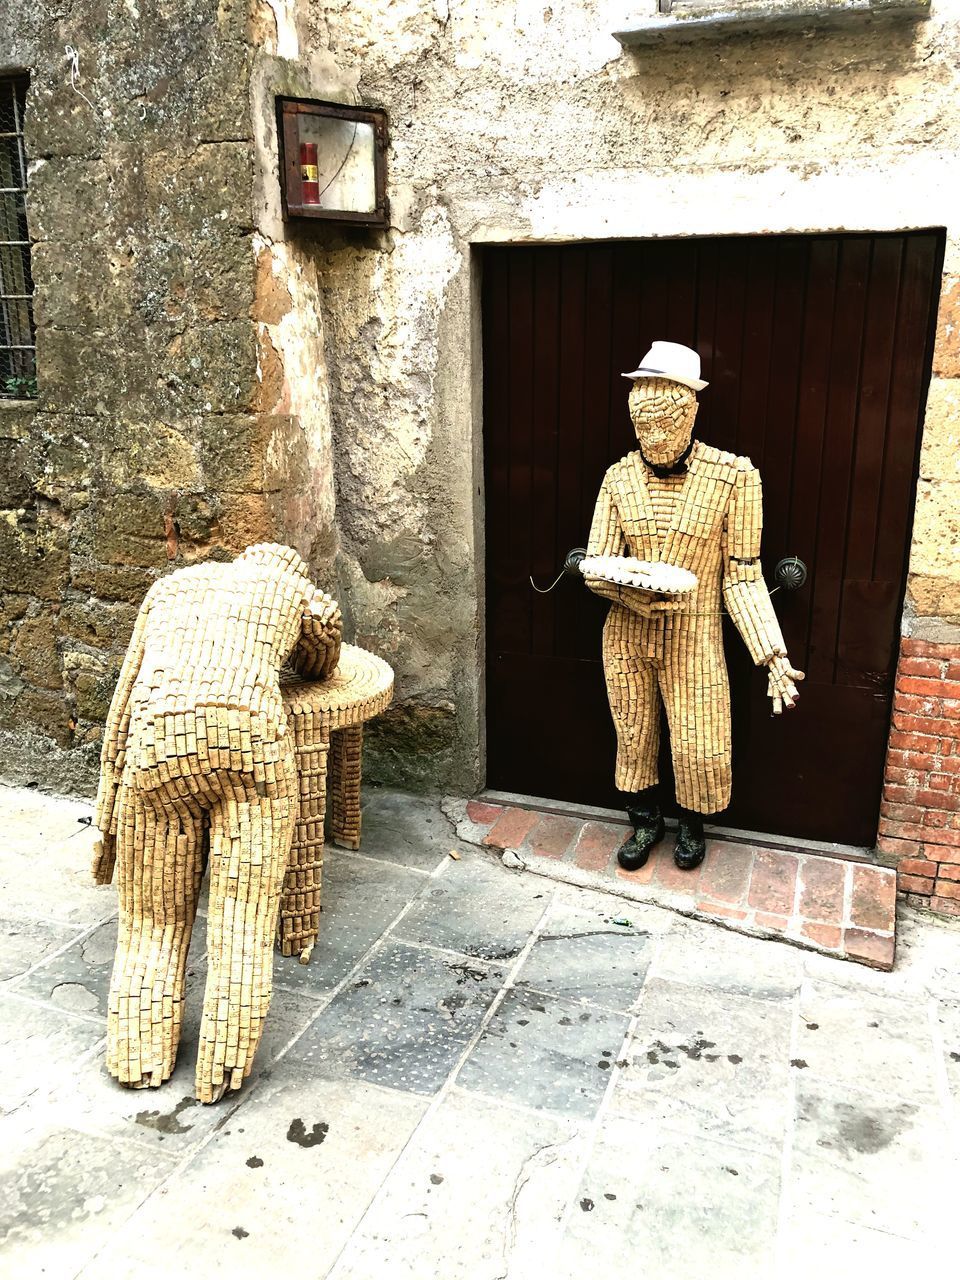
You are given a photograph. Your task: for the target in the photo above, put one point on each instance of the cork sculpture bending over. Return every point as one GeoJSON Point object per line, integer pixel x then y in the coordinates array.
{"type": "Point", "coordinates": [682, 503]}
{"type": "Point", "coordinates": [197, 760]}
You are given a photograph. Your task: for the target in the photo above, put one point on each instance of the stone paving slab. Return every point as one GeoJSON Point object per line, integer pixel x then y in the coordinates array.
{"type": "Point", "coordinates": [66, 1193]}
{"type": "Point", "coordinates": [77, 978]}
{"type": "Point", "coordinates": [871, 1159]}
{"type": "Point", "coordinates": [819, 1243]}
{"type": "Point", "coordinates": [411, 834]}
{"type": "Point", "coordinates": [278, 1191]}
{"type": "Point", "coordinates": [546, 1054]}
{"type": "Point", "coordinates": [472, 908]}
{"type": "Point", "coordinates": [581, 954]}
{"type": "Point", "coordinates": [40, 1047]}
{"type": "Point", "coordinates": [672, 1203]}
{"type": "Point", "coordinates": [493, 1213]}
{"type": "Point", "coordinates": [841, 908]}
{"type": "Point", "coordinates": [25, 943]}
{"type": "Point", "coordinates": [364, 896]}
{"type": "Point", "coordinates": [57, 888]}
{"type": "Point", "coordinates": [947, 1016]}
{"type": "Point", "coordinates": [709, 1063]}
{"type": "Point", "coordinates": [838, 1030]}
{"type": "Point", "coordinates": [403, 1021]}
{"type": "Point", "coordinates": [506, 1118]}
{"type": "Point", "coordinates": [703, 956]}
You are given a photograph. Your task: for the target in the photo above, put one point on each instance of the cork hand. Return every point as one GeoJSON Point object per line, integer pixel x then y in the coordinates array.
{"type": "Point", "coordinates": [643, 603]}
{"type": "Point", "coordinates": [104, 859]}
{"type": "Point", "coordinates": [781, 686]}
{"type": "Point", "coordinates": [321, 629]}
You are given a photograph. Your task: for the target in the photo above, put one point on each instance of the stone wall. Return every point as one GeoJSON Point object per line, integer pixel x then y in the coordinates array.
{"type": "Point", "coordinates": [171, 423]}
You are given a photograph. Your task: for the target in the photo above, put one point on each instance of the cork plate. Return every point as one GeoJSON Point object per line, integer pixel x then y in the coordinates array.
{"type": "Point", "coordinates": [654, 576]}
{"type": "Point", "coordinates": [360, 688]}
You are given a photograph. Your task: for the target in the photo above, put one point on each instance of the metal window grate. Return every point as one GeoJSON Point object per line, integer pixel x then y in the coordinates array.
{"type": "Point", "coordinates": [18, 365]}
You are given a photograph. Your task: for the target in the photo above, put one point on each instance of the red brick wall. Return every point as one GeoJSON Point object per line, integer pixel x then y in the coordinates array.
{"type": "Point", "coordinates": [920, 813]}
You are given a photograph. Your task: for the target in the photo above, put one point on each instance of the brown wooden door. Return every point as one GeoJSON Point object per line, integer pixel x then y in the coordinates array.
{"type": "Point", "coordinates": [817, 349]}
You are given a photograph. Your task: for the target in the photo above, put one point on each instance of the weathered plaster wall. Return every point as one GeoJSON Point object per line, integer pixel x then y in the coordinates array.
{"type": "Point", "coordinates": [174, 349]}
{"type": "Point", "coordinates": [288, 311]}
{"type": "Point", "coordinates": [405, 503]}
{"type": "Point", "coordinates": [513, 120]}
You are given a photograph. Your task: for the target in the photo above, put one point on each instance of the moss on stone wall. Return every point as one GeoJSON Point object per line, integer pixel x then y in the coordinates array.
{"type": "Point", "coordinates": [412, 747]}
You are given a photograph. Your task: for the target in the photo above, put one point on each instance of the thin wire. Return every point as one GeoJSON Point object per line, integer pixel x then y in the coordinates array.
{"type": "Point", "coordinates": [700, 613]}
{"type": "Point", "coordinates": [544, 591]}
{"type": "Point", "coordinates": [74, 57]}
{"type": "Point", "coordinates": [356, 126]}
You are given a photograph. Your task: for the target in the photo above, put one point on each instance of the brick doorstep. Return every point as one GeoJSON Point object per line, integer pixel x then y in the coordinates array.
{"type": "Point", "coordinates": [840, 908]}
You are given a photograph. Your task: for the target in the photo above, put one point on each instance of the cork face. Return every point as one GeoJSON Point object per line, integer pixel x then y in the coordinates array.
{"type": "Point", "coordinates": [663, 413]}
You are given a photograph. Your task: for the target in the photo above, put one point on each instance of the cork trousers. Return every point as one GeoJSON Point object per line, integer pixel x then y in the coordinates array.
{"type": "Point", "coordinates": [689, 680]}
{"type": "Point", "coordinates": [161, 852]}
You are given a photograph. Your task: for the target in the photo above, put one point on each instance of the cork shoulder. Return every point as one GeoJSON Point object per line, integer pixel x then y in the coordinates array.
{"type": "Point", "coordinates": [621, 468]}
{"type": "Point", "coordinates": [173, 584]}
{"type": "Point", "coordinates": [723, 463]}
{"type": "Point", "coordinates": [715, 462]}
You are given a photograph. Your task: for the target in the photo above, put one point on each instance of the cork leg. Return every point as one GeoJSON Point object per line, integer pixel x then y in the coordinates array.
{"type": "Point", "coordinates": [634, 705]}
{"type": "Point", "coordinates": [249, 849]}
{"type": "Point", "coordinates": [299, 920]}
{"type": "Point", "coordinates": [346, 763]}
{"type": "Point", "coordinates": [696, 695]}
{"type": "Point", "coordinates": [160, 866]}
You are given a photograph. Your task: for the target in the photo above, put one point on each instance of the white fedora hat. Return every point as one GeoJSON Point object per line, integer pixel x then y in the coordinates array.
{"type": "Point", "coordinates": [671, 360]}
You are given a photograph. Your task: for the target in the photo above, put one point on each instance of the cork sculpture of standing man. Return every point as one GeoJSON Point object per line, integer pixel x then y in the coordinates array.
{"type": "Point", "coordinates": [680, 502]}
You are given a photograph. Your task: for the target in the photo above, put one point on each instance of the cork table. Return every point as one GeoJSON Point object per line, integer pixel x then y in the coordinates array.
{"type": "Point", "coordinates": [326, 718]}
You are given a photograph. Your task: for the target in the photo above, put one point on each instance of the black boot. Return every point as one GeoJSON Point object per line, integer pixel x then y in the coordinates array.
{"type": "Point", "coordinates": [691, 846]}
{"type": "Point", "coordinates": [647, 821]}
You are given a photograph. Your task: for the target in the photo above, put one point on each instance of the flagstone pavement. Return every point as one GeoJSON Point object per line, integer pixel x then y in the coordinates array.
{"type": "Point", "coordinates": [482, 1073]}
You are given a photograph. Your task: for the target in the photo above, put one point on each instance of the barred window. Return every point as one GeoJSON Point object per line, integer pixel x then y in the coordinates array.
{"type": "Point", "coordinates": [18, 366]}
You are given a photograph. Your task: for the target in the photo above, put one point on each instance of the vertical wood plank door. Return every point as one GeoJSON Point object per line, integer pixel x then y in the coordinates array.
{"type": "Point", "coordinates": [818, 351]}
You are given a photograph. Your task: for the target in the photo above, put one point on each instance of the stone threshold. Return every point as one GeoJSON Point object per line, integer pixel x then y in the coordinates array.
{"type": "Point", "coordinates": [838, 907]}
{"type": "Point", "coordinates": [733, 835]}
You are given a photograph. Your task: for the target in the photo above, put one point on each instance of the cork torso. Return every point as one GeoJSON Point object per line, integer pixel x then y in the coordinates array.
{"type": "Point", "coordinates": [678, 518]}
{"type": "Point", "coordinates": [215, 639]}
{"type": "Point", "coordinates": [665, 496]}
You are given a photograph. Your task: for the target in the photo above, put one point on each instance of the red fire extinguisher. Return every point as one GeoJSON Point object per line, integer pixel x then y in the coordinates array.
{"type": "Point", "coordinates": [309, 176]}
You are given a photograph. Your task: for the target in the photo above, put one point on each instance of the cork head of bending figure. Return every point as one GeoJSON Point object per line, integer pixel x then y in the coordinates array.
{"type": "Point", "coordinates": [663, 413]}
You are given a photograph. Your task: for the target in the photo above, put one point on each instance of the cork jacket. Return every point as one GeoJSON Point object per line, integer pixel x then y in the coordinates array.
{"type": "Point", "coordinates": [714, 531]}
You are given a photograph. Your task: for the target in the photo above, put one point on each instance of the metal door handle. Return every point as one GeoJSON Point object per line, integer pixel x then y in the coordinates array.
{"type": "Point", "coordinates": [571, 565]}
{"type": "Point", "coordinates": [573, 558]}
{"type": "Point", "coordinates": [790, 573]}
